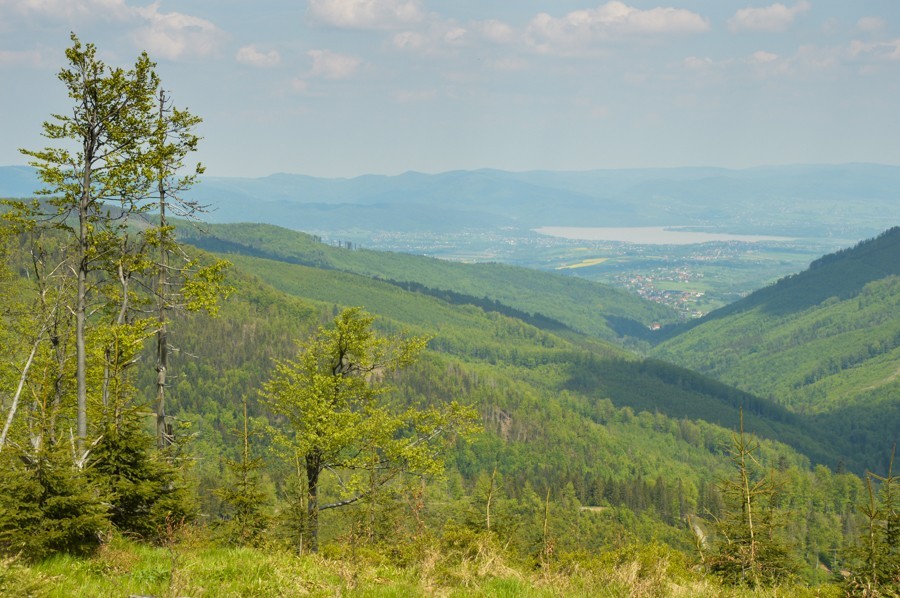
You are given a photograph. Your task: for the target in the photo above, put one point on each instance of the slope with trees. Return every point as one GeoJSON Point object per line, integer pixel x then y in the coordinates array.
{"type": "Point", "coordinates": [582, 305]}
{"type": "Point", "coordinates": [825, 342]}
{"type": "Point", "coordinates": [557, 415]}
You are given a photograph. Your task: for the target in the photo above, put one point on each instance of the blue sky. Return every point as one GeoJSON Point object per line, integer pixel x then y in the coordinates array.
{"type": "Point", "coordinates": [349, 87]}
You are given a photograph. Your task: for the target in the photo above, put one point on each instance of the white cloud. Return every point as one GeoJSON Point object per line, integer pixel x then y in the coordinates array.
{"type": "Point", "coordinates": [766, 64]}
{"type": "Point", "coordinates": [494, 31]}
{"type": "Point", "coordinates": [28, 58]}
{"type": "Point", "coordinates": [813, 58]}
{"type": "Point", "coordinates": [696, 63]}
{"type": "Point", "coordinates": [174, 35]}
{"type": "Point", "coordinates": [74, 9]}
{"type": "Point", "coordinates": [762, 57]}
{"type": "Point", "coordinates": [871, 25]}
{"type": "Point", "coordinates": [171, 35]}
{"type": "Point", "coordinates": [441, 37]}
{"type": "Point", "coordinates": [455, 36]}
{"type": "Point", "coordinates": [250, 56]}
{"type": "Point", "coordinates": [367, 14]}
{"type": "Point", "coordinates": [410, 40]}
{"type": "Point", "coordinates": [772, 18]}
{"type": "Point", "coordinates": [762, 64]}
{"type": "Point", "coordinates": [580, 28]}
{"type": "Point", "coordinates": [331, 65]}
{"type": "Point", "coordinates": [444, 36]}
{"type": "Point", "coordinates": [889, 50]}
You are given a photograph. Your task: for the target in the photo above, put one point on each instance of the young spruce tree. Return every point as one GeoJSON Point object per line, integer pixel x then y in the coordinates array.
{"type": "Point", "coordinates": [750, 551]}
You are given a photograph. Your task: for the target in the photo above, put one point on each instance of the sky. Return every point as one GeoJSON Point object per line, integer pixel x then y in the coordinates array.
{"type": "Point", "coordinates": [340, 88]}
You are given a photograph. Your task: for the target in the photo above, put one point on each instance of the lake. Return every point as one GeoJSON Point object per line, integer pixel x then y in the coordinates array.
{"type": "Point", "coordinates": [648, 235]}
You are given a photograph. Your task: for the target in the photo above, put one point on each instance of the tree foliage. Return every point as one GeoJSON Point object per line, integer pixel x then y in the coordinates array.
{"type": "Point", "coordinates": [143, 490]}
{"type": "Point", "coordinates": [48, 505]}
{"type": "Point", "coordinates": [78, 318]}
{"type": "Point", "coordinates": [182, 282]}
{"type": "Point", "coordinates": [877, 556]}
{"type": "Point", "coordinates": [115, 160]}
{"type": "Point", "coordinates": [101, 158]}
{"type": "Point", "coordinates": [333, 400]}
{"type": "Point", "coordinates": [246, 519]}
{"type": "Point", "coordinates": [750, 550]}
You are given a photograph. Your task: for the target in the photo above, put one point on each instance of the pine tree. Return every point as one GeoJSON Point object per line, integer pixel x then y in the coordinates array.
{"type": "Point", "coordinates": [878, 554]}
{"type": "Point", "coordinates": [750, 551]}
{"type": "Point", "coordinates": [47, 505]}
{"type": "Point", "coordinates": [245, 503]}
{"type": "Point", "coordinates": [143, 490]}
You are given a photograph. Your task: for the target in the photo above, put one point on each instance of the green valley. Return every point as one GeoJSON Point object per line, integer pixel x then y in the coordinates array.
{"type": "Point", "coordinates": [824, 342]}
{"type": "Point", "coordinates": [613, 448]}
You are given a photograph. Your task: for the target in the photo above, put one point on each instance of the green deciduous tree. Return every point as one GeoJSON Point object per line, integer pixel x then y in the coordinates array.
{"type": "Point", "coordinates": [117, 160]}
{"type": "Point", "coordinates": [332, 401]}
{"type": "Point", "coordinates": [99, 262]}
{"type": "Point", "coordinates": [37, 314]}
{"type": "Point", "coordinates": [100, 161]}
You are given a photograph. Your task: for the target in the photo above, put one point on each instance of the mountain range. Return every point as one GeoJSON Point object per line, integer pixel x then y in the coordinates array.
{"type": "Point", "coordinates": [849, 201]}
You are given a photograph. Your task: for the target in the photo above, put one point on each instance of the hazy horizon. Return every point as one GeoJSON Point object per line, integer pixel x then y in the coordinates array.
{"type": "Point", "coordinates": [698, 167]}
{"type": "Point", "coordinates": [344, 88]}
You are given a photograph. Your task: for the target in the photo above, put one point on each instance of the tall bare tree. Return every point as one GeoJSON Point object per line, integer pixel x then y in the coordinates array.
{"type": "Point", "coordinates": [100, 161]}
{"type": "Point", "coordinates": [181, 281]}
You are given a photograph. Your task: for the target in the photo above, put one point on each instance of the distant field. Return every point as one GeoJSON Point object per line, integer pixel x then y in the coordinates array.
{"type": "Point", "coordinates": [584, 263]}
{"type": "Point", "coordinates": [724, 271]}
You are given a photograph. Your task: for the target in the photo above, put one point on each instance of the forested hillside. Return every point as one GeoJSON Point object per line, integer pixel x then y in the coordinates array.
{"type": "Point", "coordinates": [557, 410]}
{"type": "Point", "coordinates": [825, 342]}
{"type": "Point", "coordinates": [581, 305]}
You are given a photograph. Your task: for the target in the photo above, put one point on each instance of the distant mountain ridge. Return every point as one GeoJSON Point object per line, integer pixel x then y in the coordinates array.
{"type": "Point", "coordinates": [18, 181]}
{"type": "Point", "coordinates": [844, 201]}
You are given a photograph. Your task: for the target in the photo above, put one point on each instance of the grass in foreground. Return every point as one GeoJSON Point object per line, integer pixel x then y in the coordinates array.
{"type": "Point", "coordinates": [195, 567]}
